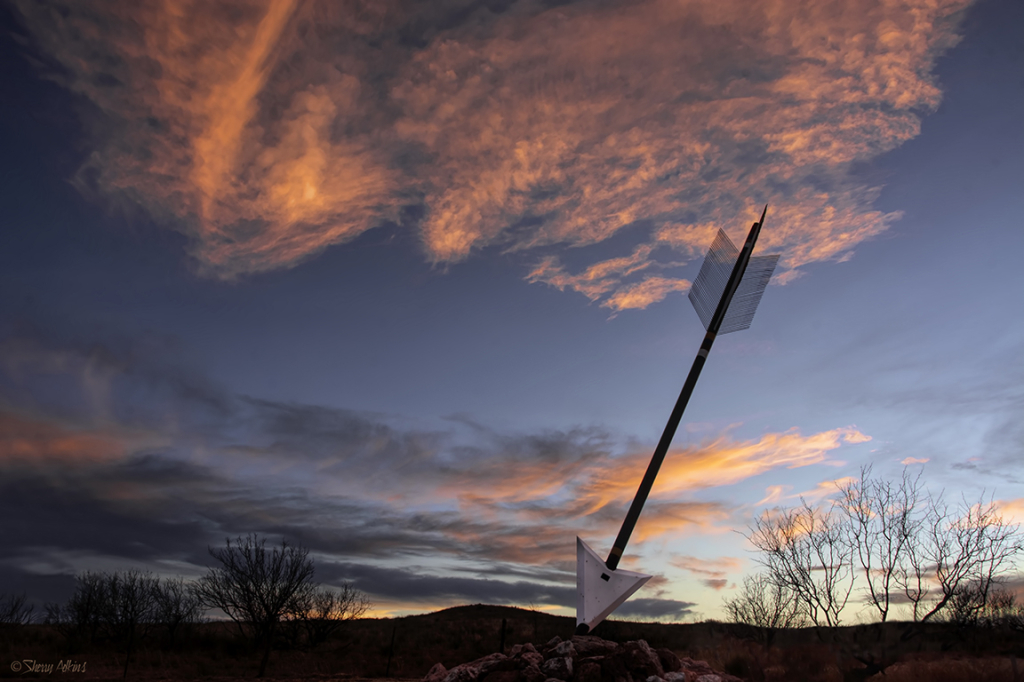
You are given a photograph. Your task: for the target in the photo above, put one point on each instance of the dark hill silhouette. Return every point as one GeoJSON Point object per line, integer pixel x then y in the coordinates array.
{"type": "Point", "coordinates": [408, 647]}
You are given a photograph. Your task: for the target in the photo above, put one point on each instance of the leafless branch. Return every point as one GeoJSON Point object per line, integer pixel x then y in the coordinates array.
{"type": "Point", "coordinates": [255, 587]}
{"type": "Point", "coordinates": [807, 550]}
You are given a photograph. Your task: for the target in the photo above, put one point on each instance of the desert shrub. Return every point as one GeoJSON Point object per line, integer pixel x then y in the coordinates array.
{"type": "Point", "coordinates": [767, 606]}
{"type": "Point", "coordinates": [320, 613]}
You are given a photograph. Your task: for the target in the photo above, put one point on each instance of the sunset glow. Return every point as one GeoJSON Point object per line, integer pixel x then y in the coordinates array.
{"type": "Point", "coordinates": [406, 283]}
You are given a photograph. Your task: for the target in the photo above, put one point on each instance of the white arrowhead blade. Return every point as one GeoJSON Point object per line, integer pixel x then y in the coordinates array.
{"type": "Point", "coordinates": [599, 591]}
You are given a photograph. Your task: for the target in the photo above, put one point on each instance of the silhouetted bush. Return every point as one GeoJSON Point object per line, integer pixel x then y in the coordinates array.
{"type": "Point", "coordinates": [14, 610]}
{"type": "Point", "coordinates": [178, 608]}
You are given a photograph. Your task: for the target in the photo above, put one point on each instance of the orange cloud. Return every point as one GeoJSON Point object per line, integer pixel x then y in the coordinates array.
{"type": "Point", "coordinates": [644, 293]}
{"type": "Point", "coordinates": [590, 493]}
{"type": "Point", "coordinates": [596, 280]}
{"type": "Point", "coordinates": [1013, 510]}
{"type": "Point", "coordinates": [538, 491]}
{"type": "Point", "coordinates": [24, 440]}
{"type": "Point", "coordinates": [676, 518]}
{"type": "Point", "coordinates": [269, 131]}
{"type": "Point", "coordinates": [197, 134]}
{"type": "Point", "coordinates": [725, 462]}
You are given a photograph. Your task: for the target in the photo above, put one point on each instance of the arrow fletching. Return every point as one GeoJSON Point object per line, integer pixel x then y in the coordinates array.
{"type": "Point", "coordinates": [714, 273]}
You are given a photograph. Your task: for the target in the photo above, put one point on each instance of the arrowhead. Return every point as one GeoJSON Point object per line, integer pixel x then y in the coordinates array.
{"type": "Point", "coordinates": [599, 590]}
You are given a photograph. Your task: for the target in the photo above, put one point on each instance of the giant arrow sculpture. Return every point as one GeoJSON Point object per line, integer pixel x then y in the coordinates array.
{"type": "Point", "coordinates": [725, 302]}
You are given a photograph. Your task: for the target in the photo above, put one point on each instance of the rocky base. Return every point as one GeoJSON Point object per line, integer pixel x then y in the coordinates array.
{"type": "Point", "coordinates": [581, 659]}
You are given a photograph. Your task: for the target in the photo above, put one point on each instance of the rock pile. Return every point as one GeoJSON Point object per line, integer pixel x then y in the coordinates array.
{"type": "Point", "coordinates": [581, 659]}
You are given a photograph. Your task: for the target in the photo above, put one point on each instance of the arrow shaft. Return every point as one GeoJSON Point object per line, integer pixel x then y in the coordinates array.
{"type": "Point", "coordinates": [684, 397]}
{"type": "Point", "coordinates": [659, 453]}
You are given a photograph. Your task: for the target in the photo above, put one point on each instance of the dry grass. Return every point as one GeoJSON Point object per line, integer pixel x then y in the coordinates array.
{"type": "Point", "coordinates": [950, 669]}
{"type": "Point", "coordinates": [362, 650]}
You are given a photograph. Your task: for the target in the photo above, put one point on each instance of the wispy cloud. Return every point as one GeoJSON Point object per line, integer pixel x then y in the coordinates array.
{"type": "Point", "coordinates": [598, 279]}
{"type": "Point", "coordinates": [775, 494]}
{"type": "Point", "coordinates": [825, 489]}
{"type": "Point", "coordinates": [269, 131]}
{"type": "Point", "coordinates": [644, 293]}
{"type": "Point", "coordinates": [354, 487]}
{"type": "Point", "coordinates": [712, 572]}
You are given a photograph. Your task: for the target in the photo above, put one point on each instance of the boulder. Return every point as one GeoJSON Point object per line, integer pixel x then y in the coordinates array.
{"type": "Point", "coordinates": [471, 672]}
{"type": "Point", "coordinates": [614, 670]}
{"type": "Point", "coordinates": [502, 665]}
{"type": "Point", "coordinates": [565, 648]}
{"type": "Point", "coordinates": [532, 673]}
{"type": "Point", "coordinates": [519, 649]}
{"type": "Point", "coordinates": [670, 663]}
{"type": "Point", "coordinates": [582, 659]}
{"type": "Point", "coordinates": [559, 667]}
{"type": "Point", "coordinates": [531, 658]}
{"type": "Point", "coordinates": [589, 670]}
{"type": "Point", "coordinates": [640, 659]}
{"type": "Point", "coordinates": [494, 662]}
{"type": "Point", "coordinates": [588, 645]}
{"type": "Point", "coordinates": [466, 672]}
{"type": "Point", "coordinates": [695, 667]}
{"type": "Point", "coordinates": [436, 674]}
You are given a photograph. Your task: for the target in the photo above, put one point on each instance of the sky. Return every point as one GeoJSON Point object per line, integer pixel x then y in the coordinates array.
{"type": "Point", "coordinates": [405, 283]}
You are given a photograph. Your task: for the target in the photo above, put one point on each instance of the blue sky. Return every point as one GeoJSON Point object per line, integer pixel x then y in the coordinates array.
{"type": "Point", "coordinates": [409, 287]}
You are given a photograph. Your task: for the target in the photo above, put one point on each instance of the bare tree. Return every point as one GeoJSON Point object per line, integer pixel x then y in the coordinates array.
{"type": "Point", "coordinates": [129, 603]}
{"type": "Point", "coordinates": [970, 545]}
{"type": "Point", "coordinates": [129, 608]}
{"type": "Point", "coordinates": [118, 606]}
{"type": "Point", "coordinates": [884, 527]}
{"type": "Point", "coordinates": [14, 610]}
{"type": "Point", "coordinates": [937, 555]}
{"type": "Point", "coordinates": [807, 550]}
{"type": "Point", "coordinates": [177, 606]}
{"type": "Point", "coordinates": [766, 605]}
{"type": "Point", "coordinates": [80, 617]}
{"type": "Point", "coordinates": [322, 611]}
{"type": "Point", "coordinates": [255, 587]}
